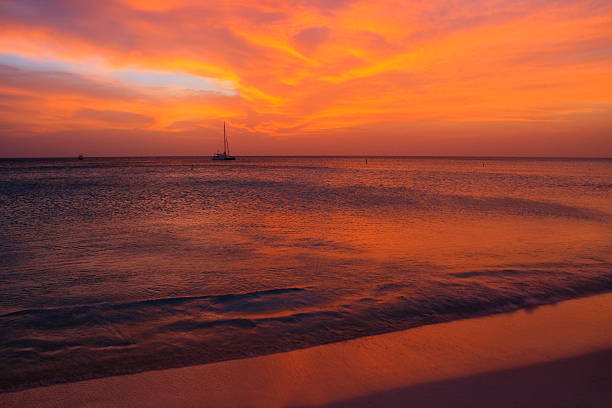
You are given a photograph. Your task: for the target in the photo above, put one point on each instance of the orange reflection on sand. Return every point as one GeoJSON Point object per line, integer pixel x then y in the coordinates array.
{"type": "Point", "coordinates": [408, 366]}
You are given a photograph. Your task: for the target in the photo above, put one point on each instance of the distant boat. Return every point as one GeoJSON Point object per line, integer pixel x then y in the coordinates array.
{"type": "Point", "coordinates": [81, 157]}
{"type": "Point", "coordinates": [226, 153]}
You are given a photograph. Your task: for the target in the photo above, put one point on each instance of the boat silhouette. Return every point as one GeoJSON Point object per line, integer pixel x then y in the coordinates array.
{"type": "Point", "coordinates": [226, 153]}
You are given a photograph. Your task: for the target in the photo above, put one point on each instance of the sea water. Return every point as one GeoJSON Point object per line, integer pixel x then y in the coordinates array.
{"type": "Point", "coordinates": [118, 265]}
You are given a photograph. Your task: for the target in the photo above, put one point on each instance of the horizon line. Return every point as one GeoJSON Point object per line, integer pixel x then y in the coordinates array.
{"type": "Point", "coordinates": [321, 156]}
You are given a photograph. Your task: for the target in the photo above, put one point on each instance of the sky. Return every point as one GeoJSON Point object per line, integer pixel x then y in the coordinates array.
{"type": "Point", "coordinates": [306, 77]}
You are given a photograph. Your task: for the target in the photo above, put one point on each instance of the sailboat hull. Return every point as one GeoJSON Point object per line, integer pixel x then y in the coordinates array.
{"type": "Point", "coordinates": [221, 156]}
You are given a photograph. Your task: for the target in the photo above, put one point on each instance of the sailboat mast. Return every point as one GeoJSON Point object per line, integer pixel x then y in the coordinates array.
{"type": "Point", "coordinates": [225, 139]}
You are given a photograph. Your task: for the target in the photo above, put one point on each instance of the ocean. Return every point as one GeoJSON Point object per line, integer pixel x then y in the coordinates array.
{"type": "Point", "coordinates": [119, 265]}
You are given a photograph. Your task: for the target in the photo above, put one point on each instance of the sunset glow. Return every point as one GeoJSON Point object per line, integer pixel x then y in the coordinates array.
{"type": "Point", "coordinates": [443, 77]}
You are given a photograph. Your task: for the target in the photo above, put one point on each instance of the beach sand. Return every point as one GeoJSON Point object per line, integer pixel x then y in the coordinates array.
{"type": "Point", "coordinates": [552, 356]}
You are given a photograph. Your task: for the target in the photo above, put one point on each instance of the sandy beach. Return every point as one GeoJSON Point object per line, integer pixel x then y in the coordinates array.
{"type": "Point", "coordinates": [553, 356]}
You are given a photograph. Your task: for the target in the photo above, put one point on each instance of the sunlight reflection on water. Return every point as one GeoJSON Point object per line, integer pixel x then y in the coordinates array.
{"type": "Point", "coordinates": [129, 255]}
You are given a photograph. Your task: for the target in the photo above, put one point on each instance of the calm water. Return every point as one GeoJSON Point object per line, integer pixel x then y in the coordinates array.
{"type": "Point", "coordinates": [121, 265]}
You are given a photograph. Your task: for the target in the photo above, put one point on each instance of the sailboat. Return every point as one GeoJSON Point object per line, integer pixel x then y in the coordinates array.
{"type": "Point", "coordinates": [226, 153]}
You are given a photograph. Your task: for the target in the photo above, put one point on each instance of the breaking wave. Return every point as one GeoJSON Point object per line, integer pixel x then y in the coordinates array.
{"type": "Point", "coordinates": [49, 345]}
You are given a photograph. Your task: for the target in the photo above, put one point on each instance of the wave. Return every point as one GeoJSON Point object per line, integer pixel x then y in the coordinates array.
{"type": "Point", "coordinates": [229, 301]}
{"type": "Point", "coordinates": [44, 346]}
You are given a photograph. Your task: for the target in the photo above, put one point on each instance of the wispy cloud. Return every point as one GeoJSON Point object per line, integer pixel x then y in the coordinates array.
{"type": "Point", "coordinates": [296, 68]}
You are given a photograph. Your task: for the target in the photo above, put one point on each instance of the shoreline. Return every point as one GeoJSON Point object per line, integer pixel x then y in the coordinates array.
{"type": "Point", "coordinates": [425, 362]}
{"type": "Point", "coordinates": [217, 352]}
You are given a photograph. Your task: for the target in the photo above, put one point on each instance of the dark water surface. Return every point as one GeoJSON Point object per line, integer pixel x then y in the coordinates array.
{"type": "Point", "coordinates": [121, 265]}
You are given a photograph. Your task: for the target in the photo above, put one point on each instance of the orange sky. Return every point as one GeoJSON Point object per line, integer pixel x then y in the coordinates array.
{"type": "Point", "coordinates": [438, 77]}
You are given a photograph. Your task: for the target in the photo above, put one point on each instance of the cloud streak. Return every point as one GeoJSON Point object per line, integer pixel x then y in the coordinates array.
{"type": "Point", "coordinates": [298, 69]}
{"type": "Point", "coordinates": [115, 118]}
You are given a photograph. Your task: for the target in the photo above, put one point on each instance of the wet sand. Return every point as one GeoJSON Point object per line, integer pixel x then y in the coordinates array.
{"type": "Point", "coordinates": [553, 356]}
